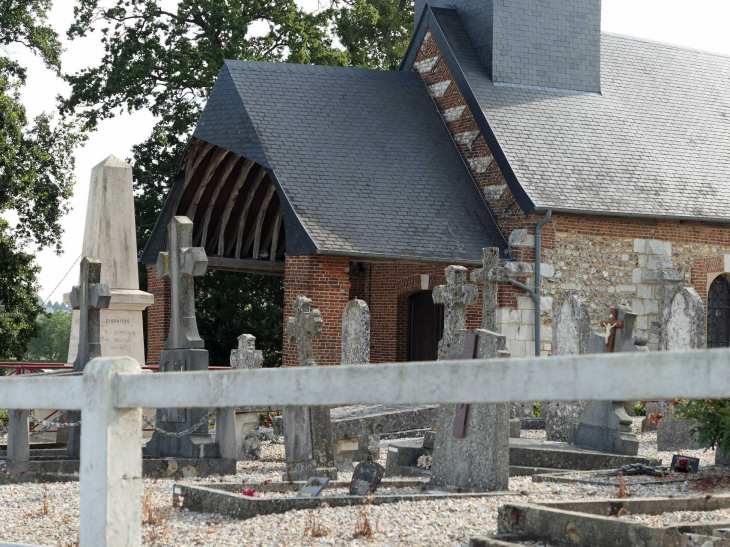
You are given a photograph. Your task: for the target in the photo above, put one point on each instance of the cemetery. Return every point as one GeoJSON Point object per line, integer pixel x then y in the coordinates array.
{"type": "Point", "coordinates": [479, 344]}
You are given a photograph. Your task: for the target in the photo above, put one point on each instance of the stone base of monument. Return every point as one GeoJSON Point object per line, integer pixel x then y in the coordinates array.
{"type": "Point", "coordinates": [527, 457]}
{"type": "Point", "coordinates": [604, 426]}
{"type": "Point", "coordinates": [594, 523]}
{"type": "Point", "coordinates": [40, 470]}
{"type": "Point", "coordinates": [226, 499]}
{"type": "Point", "coordinates": [301, 471]}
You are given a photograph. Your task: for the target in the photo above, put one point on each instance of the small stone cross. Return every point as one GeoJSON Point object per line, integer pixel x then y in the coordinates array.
{"type": "Point", "coordinates": [456, 295]}
{"type": "Point", "coordinates": [89, 297]}
{"type": "Point", "coordinates": [611, 325]}
{"type": "Point", "coordinates": [183, 263]}
{"type": "Point", "coordinates": [490, 260]}
{"type": "Point", "coordinates": [302, 327]}
{"type": "Point", "coordinates": [246, 356]}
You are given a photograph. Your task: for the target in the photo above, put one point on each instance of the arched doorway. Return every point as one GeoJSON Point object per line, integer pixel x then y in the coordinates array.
{"type": "Point", "coordinates": [425, 326]}
{"type": "Point", "coordinates": [718, 313]}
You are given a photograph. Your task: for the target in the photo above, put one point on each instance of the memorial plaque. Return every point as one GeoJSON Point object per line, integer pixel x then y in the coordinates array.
{"type": "Point", "coordinates": [684, 464]}
{"type": "Point", "coordinates": [366, 478]}
{"type": "Point", "coordinates": [313, 488]}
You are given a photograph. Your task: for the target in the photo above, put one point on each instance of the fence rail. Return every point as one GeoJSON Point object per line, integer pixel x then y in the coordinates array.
{"type": "Point", "coordinates": [112, 392]}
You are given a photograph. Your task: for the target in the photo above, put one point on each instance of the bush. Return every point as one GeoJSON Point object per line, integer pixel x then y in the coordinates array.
{"type": "Point", "coordinates": [640, 409]}
{"type": "Point", "coordinates": [712, 419]}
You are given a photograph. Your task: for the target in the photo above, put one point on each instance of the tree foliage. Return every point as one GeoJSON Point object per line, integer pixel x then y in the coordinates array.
{"type": "Point", "coordinates": [51, 343]}
{"type": "Point", "coordinates": [167, 60]}
{"type": "Point", "coordinates": [36, 172]}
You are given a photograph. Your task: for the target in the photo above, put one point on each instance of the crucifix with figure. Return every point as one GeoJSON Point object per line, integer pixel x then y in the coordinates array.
{"type": "Point", "coordinates": [89, 297]}
{"type": "Point", "coordinates": [184, 349]}
{"type": "Point", "coordinates": [307, 430]}
{"type": "Point", "coordinates": [611, 325]}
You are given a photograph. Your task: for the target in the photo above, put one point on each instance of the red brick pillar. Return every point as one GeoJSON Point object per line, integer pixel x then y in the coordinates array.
{"type": "Point", "coordinates": [158, 315]}
{"type": "Point", "coordinates": [326, 280]}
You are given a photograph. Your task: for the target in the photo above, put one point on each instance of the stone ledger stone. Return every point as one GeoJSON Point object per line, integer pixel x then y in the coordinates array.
{"type": "Point", "coordinates": [571, 333]}
{"type": "Point", "coordinates": [110, 236]}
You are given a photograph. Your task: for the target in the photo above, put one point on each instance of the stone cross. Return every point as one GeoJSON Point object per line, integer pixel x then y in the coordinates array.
{"type": "Point", "coordinates": [89, 297]}
{"type": "Point", "coordinates": [456, 295]}
{"type": "Point", "coordinates": [356, 333]}
{"type": "Point", "coordinates": [490, 260]}
{"type": "Point", "coordinates": [305, 324]}
{"type": "Point", "coordinates": [246, 356]}
{"type": "Point", "coordinates": [183, 263]}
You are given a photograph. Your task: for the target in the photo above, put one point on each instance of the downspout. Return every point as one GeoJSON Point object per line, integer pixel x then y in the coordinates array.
{"type": "Point", "coordinates": [535, 291]}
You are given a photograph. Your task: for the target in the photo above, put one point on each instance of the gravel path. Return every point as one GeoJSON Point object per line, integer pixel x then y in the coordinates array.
{"type": "Point", "coordinates": [48, 515]}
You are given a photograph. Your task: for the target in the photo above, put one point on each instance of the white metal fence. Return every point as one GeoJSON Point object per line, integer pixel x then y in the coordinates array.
{"type": "Point", "coordinates": [112, 392]}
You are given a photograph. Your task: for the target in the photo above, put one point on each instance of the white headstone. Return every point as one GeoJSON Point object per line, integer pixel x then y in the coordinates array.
{"type": "Point", "coordinates": [110, 236]}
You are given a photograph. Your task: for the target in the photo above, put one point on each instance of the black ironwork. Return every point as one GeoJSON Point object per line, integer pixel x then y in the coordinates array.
{"type": "Point", "coordinates": [718, 313]}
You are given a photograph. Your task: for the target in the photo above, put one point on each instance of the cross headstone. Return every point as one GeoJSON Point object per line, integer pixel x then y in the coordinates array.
{"type": "Point", "coordinates": [605, 426]}
{"type": "Point", "coordinates": [571, 333]}
{"type": "Point", "coordinates": [307, 430]}
{"type": "Point", "coordinates": [490, 260]}
{"type": "Point", "coordinates": [455, 295]}
{"type": "Point", "coordinates": [181, 265]}
{"type": "Point", "coordinates": [183, 348]}
{"type": "Point", "coordinates": [89, 296]}
{"type": "Point", "coordinates": [471, 449]}
{"type": "Point", "coordinates": [246, 356]}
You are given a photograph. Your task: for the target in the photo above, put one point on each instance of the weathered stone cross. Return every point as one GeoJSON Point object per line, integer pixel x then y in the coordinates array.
{"type": "Point", "coordinates": [246, 356]}
{"type": "Point", "coordinates": [183, 263]}
{"type": "Point", "coordinates": [89, 297]}
{"type": "Point", "coordinates": [456, 295]}
{"type": "Point", "coordinates": [302, 327]}
{"type": "Point", "coordinates": [490, 260]}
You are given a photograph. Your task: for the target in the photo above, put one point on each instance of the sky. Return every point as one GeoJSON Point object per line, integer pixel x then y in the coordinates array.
{"type": "Point", "coordinates": [700, 24]}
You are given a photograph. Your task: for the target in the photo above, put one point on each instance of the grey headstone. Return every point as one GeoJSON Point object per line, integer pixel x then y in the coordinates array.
{"type": "Point", "coordinates": [479, 459]}
{"type": "Point", "coordinates": [683, 317]}
{"type": "Point", "coordinates": [605, 426]}
{"type": "Point", "coordinates": [183, 347]}
{"type": "Point", "coordinates": [246, 356]}
{"type": "Point", "coordinates": [366, 478]}
{"type": "Point", "coordinates": [456, 295]}
{"type": "Point", "coordinates": [88, 297]}
{"type": "Point", "coordinates": [307, 430]}
{"type": "Point", "coordinates": [571, 333]}
{"type": "Point", "coordinates": [314, 487]}
{"type": "Point", "coordinates": [515, 428]}
{"type": "Point", "coordinates": [356, 333]}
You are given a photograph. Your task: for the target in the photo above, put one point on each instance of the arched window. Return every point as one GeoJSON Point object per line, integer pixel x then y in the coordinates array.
{"type": "Point", "coordinates": [718, 313]}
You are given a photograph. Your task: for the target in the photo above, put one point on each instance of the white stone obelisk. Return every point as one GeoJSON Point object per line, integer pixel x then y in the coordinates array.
{"type": "Point", "coordinates": [110, 236]}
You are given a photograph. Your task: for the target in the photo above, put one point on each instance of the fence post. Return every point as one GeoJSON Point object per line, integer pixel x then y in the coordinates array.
{"type": "Point", "coordinates": [225, 432]}
{"type": "Point", "coordinates": [18, 440]}
{"type": "Point", "coordinates": [111, 460]}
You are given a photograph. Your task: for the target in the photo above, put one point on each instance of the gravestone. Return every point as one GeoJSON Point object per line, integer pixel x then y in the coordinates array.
{"type": "Point", "coordinates": [356, 333]}
{"type": "Point", "coordinates": [605, 426]}
{"type": "Point", "coordinates": [471, 449]}
{"type": "Point", "coordinates": [246, 356]}
{"type": "Point", "coordinates": [110, 236]}
{"type": "Point", "coordinates": [89, 297]}
{"type": "Point", "coordinates": [355, 351]}
{"type": "Point", "coordinates": [571, 333]}
{"type": "Point", "coordinates": [366, 478]}
{"type": "Point", "coordinates": [307, 430]}
{"type": "Point", "coordinates": [683, 329]}
{"type": "Point", "coordinates": [183, 347]}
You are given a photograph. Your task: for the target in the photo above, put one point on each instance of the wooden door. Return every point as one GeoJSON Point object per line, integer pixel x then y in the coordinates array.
{"type": "Point", "coordinates": [425, 327]}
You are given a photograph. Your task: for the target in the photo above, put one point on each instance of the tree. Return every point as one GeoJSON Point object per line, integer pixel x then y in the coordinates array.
{"type": "Point", "coordinates": [36, 173]}
{"type": "Point", "coordinates": [167, 61]}
{"type": "Point", "coordinates": [51, 343]}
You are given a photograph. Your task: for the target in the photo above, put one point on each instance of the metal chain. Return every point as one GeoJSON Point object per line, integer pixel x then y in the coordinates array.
{"type": "Point", "coordinates": [203, 420]}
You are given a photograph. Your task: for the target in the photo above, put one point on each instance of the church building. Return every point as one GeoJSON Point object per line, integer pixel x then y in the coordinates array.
{"type": "Point", "coordinates": [356, 183]}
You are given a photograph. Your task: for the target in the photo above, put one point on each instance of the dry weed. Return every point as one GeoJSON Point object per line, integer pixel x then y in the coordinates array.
{"type": "Point", "coordinates": [46, 507]}
{"type": "Point", "coordinates": [623, 488]}
{"type": "Point", "coordinates": [314, 528]}
{"type": "Point", "coordinates": [363, 529]}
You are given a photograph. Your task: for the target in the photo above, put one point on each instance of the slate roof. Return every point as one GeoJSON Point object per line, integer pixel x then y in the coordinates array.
{"type": "Point", "coordinates": [362, 157]}
{"type": "Point", "coordinates": [654, 142]}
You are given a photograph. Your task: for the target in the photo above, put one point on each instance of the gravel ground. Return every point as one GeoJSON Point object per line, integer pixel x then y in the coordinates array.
{"type": "Point", "coordinates": [48, 515]}
{"type": "Point", "coordinates": [665, 519]}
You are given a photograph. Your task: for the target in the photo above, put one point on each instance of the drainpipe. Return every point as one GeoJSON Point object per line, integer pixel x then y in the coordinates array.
{"type": "Point", "coordinates": [535, 292]}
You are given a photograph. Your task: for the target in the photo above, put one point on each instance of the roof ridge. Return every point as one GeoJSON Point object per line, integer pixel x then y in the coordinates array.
{"type": "Point", "coordinates": [276, 66]}
{"type": "Point", "coordinates": [665, 44]}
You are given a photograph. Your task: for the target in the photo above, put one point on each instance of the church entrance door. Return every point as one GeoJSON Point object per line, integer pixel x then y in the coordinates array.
{"type": "Point", "coordinates": [425, 327]}
{"type": "Point", "coordinates": [718, 313]}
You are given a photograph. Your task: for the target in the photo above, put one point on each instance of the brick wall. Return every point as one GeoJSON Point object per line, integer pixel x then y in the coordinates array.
{"type": "Point", "coordinates": [326, 280]}
{"type": "Point", "coordinates": [158, 315]}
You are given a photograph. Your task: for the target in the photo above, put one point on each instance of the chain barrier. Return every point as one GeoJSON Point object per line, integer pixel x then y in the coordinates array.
{"type": "Point", "coordinates": [149, 423]}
